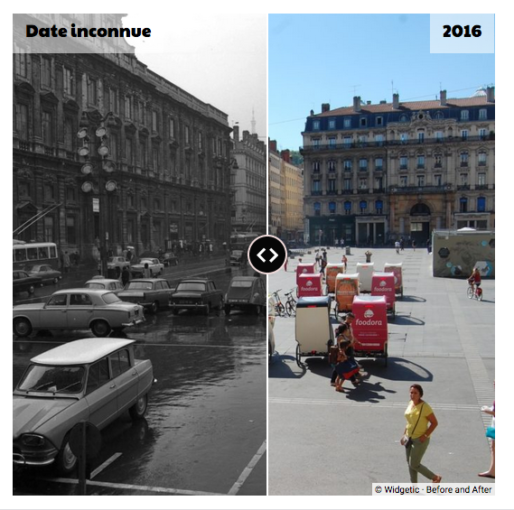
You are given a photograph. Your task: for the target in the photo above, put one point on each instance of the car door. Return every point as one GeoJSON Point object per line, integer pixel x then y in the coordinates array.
{"type": "Point", "coordinates": [211, 293]}
{"type": "Point", "coordinates": [101, 394]}
{"type": "Point", "coordinates": [125, 378]}
{"type": "Point", "coordinates": [163, 292]}
{"type": "Point", "coordinates": [80, 310]}
{"type": "Point", "coordinates": [54, 314]}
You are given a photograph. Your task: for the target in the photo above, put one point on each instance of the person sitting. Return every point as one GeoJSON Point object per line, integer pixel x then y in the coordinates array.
{"type": "Point", "coordinates": [475, 278]}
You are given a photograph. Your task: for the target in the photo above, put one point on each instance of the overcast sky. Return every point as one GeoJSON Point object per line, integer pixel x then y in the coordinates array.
{"type": "Point", "coordinates": [219, 58]}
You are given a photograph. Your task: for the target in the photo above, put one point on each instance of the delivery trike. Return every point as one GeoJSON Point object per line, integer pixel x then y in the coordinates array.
{"type": "Point", "coordinates": [310, 285]}
{"type": "Point", "coordinates": [396, 269]}
{"type": "Point", "coordinates": [347, 286]}
{"type": "Point", "coordinates": [365, 274]}
{"type": "Point", "coordinates": [382, 284]}
{"type": "Point", "coordinates": [331, 271]}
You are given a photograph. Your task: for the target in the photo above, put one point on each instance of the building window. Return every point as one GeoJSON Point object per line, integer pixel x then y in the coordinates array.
{"type": "Point", "coordinates": [347, 141]}
{"type": "Point", "coordinates": [129, 153]}
{"type": "Point", "coordinates": [348, 207]}
{"type": "Point", "coordinates": [439, 136]}
{"type": "Point", "coordinates": [186, 137]}
{"type": "Point", "coordinates": [200, 141]}
{"type": "Point", "coordinates": [332, 207]}
{"type": "Point", "coordinates": [379, 182]}
{"type": "Point", "coordinates": [113, 146]}
{"type": "Point", "coordinates": [92, 92]}
{"type": "Point", "coordinates": [317, 209]}
{"type": "Point", "coordinates": [130, 201]}
{"type": "Point", "coordinates": [331, 124]}
{"type": "Point", "coordinates": [379, 139]}
{"type": "Point", "coordinates": [141, 107]}
{"type": "Point", "coordinates": [379, 206]}
{"type": "Point", "coordinates": [363, 122]}
{"type": "Point", "coordinates": [69, 133]}
{"type": "Point", "coordinates": [347, 184]}
{"type": "Point", "coordinates": [380, 121]}
{"type": "Point", "coordinates": [70, 194]}
{"type": "Point", "coordinates": [49, 228]}
{"type": "Point", "coordinates": [404, 138]}
{"type": "Point", "coordinates": [70, 230]}
{"type": "Point", "coordinates": [113, 100]}
{"type": "Point", "coordinates": [464, 179]}
{"type": "Point", "coordinates": [463, 159]}
{"type": "Point", "coordinates": [46, 72]}
{"type": "Point", "coordinates": [421, 136]}
{"type": "Point", "coordinates": [403, 181]}
{"type": "Point", "coordinates": [438, 161]}
{"type": "Point", "coordinates": [482, 114]}
{"type": "Point", "coordinates": [316, 125]}
{"type": "Point", "coordinates": [438, 180]}
{"type": "Point", "coordinates": [363, 183]}
{"type": "Point", "coordinates": [347, 165]}
{"type": "Point", "coordinates": [172, 128]}
{"type": "Point", "coordinates": [347, 123]}
{"type": "Point", "coordinates": [421, 180]}
{"type": "Point", "coordinates": [421, 161]}
{"type": "Point", "coordinates": [48, 192]}
{"type": "Point", "coordinates": [403, 118]}
{"type": "Point", "coordinates": [68, 84]}
{"type": "Point", "coordinates": [363, 164]}
{"type": "Point", "coordinates": [482, 159]}
{"type": "Point", "coordinates": [156, 157]}
{"type": "Point", "coordinates": [464, 134]}
{"type": "Point", "coordinates": [482, 133]}
{"type": "Point", "coordinates": [143, 157]}
{"type": "Point", "coordinates": [20, 63]}
{"type": "Point", "coordinates": [464, 115]}
{"type": "Point", "coordinates": [315, 143]}
{"type": "Point", "coordinates": [48, 131]}
{"type": "Point", "coordinates": [363, 139]}
{"type": "Point", "coordinates": [481, 179]}
{"type": "Point", "coordinates": [363, 205]}
{"type": "Point", "coordinates": [128, 107]}
{"type": "Point", "coordinates": [155, 121]}
{"type": "Point", "coordinates": [332, 166]}
{"type": "Point", "coordinates": [22, 121]}
{"type": "Point", "coordinates": [404, 161]}
{"type": "Point", "coordinates": [379, 164]}
{"type": "Point", "coordinates": [332, 142]}
{"type": "Point", "coordinates": [316, 187]}
{"type": "Point", "coordinates": [463, 205]}
{"type": "Point", "coordinates": [331, 185]}
{"type": "Point", "coordinates": [481, 204]}
{"type": "Point", "coordinates": [315, 167]}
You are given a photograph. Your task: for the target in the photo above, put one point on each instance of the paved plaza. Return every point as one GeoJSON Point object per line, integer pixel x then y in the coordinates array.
{"type": "Point", "coordinates": [326, 443]}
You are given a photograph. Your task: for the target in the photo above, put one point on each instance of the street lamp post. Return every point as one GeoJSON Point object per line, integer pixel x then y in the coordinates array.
{"type": "Point", "coordinates": [105, 167]}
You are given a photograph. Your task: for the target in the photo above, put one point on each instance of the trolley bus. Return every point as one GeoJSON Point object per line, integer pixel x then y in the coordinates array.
{"type": "Point", "coordinates": [29, 254]}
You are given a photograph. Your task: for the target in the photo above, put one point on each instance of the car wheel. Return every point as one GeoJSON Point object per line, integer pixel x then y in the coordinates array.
{"type": "Point", "coordinates": [221, 304]}
{"type": "Point", "coordinates": [22, 327]}
{"type": "Point", "coordinates": [138, 410]}
{"type": "Point", "coordinates": [31, 289]}
{"type": "Point", "coordinates": [154, 308]}
{"type": "Point", "coordinates": [207, 309]}
{"type": "Point", "coordinates": [66, 462]}
{"type": "Point", "coordinates": [100, 328]}
{"type": "Point", "coordinates": [227, 309]}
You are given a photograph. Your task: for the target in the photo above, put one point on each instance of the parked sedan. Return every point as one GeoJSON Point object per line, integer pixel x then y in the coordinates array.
{"type": "Point", "coordinates": [100, 310]}
{"type": "Point", "coordinates": [151, 293]}
{"type": "Point", "coordinates": [196, 294]}
{"type": "Point", "coordinates": [105, 283]}
{"type": "Point", "coordinates": [118, 263]}
{"type": "Point", "coordinates": [92, 380]}
{"type": "Point", "coordinates": [46, 272]}
{"type": "Point", "coordinates": [156, 268]}
{"type": "Point", "coordinates": [24, 282]}
{"type": "Point", "coordinates": [169, 259]}
{"type": "Point", "coordinates": [244, 293]}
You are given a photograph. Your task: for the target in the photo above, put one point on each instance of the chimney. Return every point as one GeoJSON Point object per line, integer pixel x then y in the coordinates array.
{"type": "Point", "coordinates": [356, 103]}
{"type": "Point", "coordinates": [236, 133]}
{"type": "Point", "coordinates": [489, 92]}
{"type": "Point", "coordinates": [246, 135]}
{"type": "Point", "coordinates": [396, 101]}
{"type": "Point", "coordinates": [325, 107]}
{"type": "Point", "coordinates": [286, 156]}
{"type": "Point", "coordinates": [443, 97]}
{"type": "Point", "coordinates": [273, 146]}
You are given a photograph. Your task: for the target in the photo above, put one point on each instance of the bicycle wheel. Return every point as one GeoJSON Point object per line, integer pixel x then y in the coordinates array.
{"type": "Point", "coordinates": [281, 312]}
{"type": "Point", "coordinates": [470, 293]}
{"type": "Point", "coordinates": [480, 295]}
{"type": "Point", "coordinates": [289, 309]}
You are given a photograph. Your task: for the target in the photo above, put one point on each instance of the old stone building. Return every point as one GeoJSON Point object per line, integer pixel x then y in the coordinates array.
{"type": "Point", "coordinates": [375, 172]}
{"type": "Point", "coordinates": [114, 155]}
{"type": "Point", "coordinates": [292, 199]}
{"type": "Point", "coordinates": [248, 183]}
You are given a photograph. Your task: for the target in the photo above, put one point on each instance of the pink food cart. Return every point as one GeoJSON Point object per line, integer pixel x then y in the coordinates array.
{"type": "Point", "coordinates": [396, 269]}
{"type": "Point", "coordinates": [382, 284]}
{"type": "Point", "coordinates": [310, 285]}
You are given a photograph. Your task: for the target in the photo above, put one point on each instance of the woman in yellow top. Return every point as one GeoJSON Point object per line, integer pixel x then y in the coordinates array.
{"type": "Point", "coordinates": [421, 422]}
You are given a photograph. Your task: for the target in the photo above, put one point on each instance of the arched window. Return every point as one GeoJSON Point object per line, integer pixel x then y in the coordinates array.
{"type": "Point", "coordinates": [463, 204]}
{"type": "Point", "coordinates": [332, 207]}
{"type": "Point", "coordinates": [481, 204]}
{"type": "Point", "coordinates": [363, 205]}
{"type": "Point", "coordinates": [317, 209]}
{"type": "Point", "coordinates": [379, 205]}
{"type": "Point", "coordinates": [348, 207]}
{"type": "Point", "coordinates": [420, 210]}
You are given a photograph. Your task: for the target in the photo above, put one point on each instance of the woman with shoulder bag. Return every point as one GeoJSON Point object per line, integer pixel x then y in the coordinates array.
{"type": "Point", "coordinates": [421, 422]}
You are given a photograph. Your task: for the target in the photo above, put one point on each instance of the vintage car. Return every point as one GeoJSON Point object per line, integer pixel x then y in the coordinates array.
{"type": "Point", "coordinates": [93, 380]}
{"type": "Point", "coordinates": [156, 268]}
{"type": "Point", "coordinates": [246, 293]}
{"type": "Point", "coordinates": [169, 259]}
{"type": "Point", "coordinates": [151, 293]}
{"type": "Point", "coordinates": [24, 282]}
{"type": "Point", "coordinates": [237, 257]}
{"type": "Point", "coordinates": [105, 283]}
{"type": "Point", "coordinates": [100, 310]}
{"type": "Point", "coordinates": [117, 263]}
{"type": "Point", "coordinates": [46, 272]}
{"type": "Point", "coordinates": [196, 294]}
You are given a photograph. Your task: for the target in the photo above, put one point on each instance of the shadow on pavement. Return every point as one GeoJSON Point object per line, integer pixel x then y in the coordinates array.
{"type": "Point", "coordinates": [282, 366]}
{"type": "Point", "coordinates": [406, 320]}
{"type": "Point", "coordinates": [398, 369]}
{"type": "Point", "coordinates": [412, 299]}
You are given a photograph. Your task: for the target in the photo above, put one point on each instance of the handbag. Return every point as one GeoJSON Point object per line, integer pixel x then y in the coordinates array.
{"type": "Point", "coordinates": [490, 432]}
{"type": "Point", "coordinates": [408, 442]}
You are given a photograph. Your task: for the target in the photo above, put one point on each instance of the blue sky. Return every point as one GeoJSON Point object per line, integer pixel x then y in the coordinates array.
{"type": "Point", "coordinates": [318, 58]}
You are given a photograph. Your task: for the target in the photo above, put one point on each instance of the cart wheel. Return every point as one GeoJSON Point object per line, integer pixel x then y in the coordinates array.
{"type": "Point", "coordinates": [298, 356]}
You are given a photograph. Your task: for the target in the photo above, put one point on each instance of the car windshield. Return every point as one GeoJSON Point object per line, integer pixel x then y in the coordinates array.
{"type": "Point", "coordinates": [196, 286]}
{"type": "Point", "coordinates": [95, 286]}
{"type": "Point", "coordinates": [139, 286]}
{"type": "Point", "coordinates": [53, 379]}
{"type": "Point", "coordinates": [242, 283]}
{"type": "Point", "coordinates": [110, 297]}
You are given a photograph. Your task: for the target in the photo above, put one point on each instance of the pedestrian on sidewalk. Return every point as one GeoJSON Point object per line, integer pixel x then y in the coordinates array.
{"type": "Point", "coordinates": [421, 422]}
{"type": "Point", "coordinates": [346, 368]}
{"type": "Point", "coordinates": [66, 262]}
{"type": "Point", "coordinates": [125, 276]}
{"type": "Point", "coordinates": [491, 431]}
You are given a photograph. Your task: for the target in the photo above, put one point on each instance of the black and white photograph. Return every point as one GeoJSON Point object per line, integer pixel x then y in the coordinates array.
{"type": "Point", "coordinates": [139, 164]}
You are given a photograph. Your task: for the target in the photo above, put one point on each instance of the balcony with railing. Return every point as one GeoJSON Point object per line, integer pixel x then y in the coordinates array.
{"type": "Point", "coordinates": [410, 190]}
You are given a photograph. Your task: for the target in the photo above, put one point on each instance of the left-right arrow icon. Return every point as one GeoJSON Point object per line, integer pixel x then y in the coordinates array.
{"type": "Point", "coordinates": [275, 254]}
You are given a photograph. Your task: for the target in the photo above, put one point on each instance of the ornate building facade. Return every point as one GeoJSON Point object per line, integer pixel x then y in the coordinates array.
{"type": "Point", "coordinates": [374, 173]}
{"type": "Point", "coordinates": [154, 164]}
{"type": "Point", "coordinates": [248, 183]}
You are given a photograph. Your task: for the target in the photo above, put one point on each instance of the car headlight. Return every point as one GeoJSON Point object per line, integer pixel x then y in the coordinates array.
{"type": "Point", "coordinates": [33, 440]}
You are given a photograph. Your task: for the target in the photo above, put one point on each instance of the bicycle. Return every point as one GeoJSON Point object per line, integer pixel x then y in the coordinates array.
{"type": "Point", "coordinates": [290, 303]}
{"type": "Point", "coordinates": [280, 309]}
{"type": "Point", "coordinates": [475, 292]}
